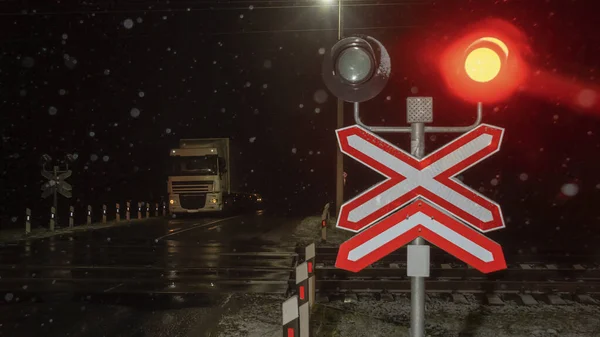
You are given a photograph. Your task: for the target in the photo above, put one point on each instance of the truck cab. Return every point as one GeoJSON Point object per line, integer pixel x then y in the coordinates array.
{"type": "Point", "coordinates": [199, 178]}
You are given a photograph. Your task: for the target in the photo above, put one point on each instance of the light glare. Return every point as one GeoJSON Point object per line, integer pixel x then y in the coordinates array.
{"type": "Point", "coordinates": [483, 65]}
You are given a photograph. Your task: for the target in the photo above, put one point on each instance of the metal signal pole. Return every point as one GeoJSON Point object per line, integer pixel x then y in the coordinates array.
{"type": "Point", "coordinates": [339, 178]}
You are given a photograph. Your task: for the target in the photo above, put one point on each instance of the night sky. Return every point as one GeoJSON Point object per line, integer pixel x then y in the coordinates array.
{"type": "Point", "coordinates": [118, 83]}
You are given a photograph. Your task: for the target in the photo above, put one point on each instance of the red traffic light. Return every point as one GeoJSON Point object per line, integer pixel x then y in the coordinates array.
{"type": "Point", "coordinates": [485, 64]}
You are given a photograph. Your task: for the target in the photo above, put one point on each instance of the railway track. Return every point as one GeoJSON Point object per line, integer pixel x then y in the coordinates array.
{"type": "Point", "coordinates": [548, 273]}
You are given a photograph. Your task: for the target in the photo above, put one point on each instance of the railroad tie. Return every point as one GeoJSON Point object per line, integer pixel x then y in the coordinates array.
{"type": "Point", "coordinates": [527, 299]}
{"type": "Point", "coordinates": [459, 299]}
{"type": "Point", "coordinates": [494, 299]}
{"type": "Point", "coordinates": [556, 300]}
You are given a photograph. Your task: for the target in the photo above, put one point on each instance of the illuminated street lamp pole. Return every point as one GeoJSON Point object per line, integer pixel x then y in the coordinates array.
{"type": "Point", "coordinates": [339, 177]}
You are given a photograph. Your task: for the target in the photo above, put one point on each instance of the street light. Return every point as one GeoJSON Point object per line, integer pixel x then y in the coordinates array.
{"type": "Point", "coordinates": [356, 68]}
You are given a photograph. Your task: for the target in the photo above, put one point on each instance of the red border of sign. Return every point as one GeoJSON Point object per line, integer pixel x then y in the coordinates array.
{"type": "Point", "coordinates": [445, 178]}
{"type": "Point", "coordinates": [498, 263]}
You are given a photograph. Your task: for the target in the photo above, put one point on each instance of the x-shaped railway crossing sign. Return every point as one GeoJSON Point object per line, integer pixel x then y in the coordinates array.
{"type": "Point", "coordinates": [442, 199]}
{"type": "Point", "coordinates": [57, 183]}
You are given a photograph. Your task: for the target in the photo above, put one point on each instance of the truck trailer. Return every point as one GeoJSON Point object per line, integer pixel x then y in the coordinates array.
{"type": "Point", "coordinates": [199, 180]}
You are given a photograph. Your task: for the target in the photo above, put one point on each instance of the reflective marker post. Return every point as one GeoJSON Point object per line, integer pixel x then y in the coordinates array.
{"type": "Point", "coordinates": [309, 254]}
{"type": "Point", "coordinates": [89, 214]}
{"type": "Point", "coordinates": [27, 221]}
{"type": "Point", "coordinates": [118, 214]}
{"type": "Point", "coordinates": [52, 218]}
{"type": "Point", "coordinates": [71, 216]}
{"type": "Point", "coordinates": [291, 323]}
{"type": "Point", "coordinates": [156, 210]}
{"type": "Point", "coordinates": [164, 208]}
{"type": "Point", "coordinates": [128, 211]}
{"type": "Point", "coordinates": [303, 304]}
{"type": "Point", "coordinates": [103, 213]}
{"type": "Point", "coordinates": [147, 210]}
{"type": "Point", "coordinates": [139, 211]}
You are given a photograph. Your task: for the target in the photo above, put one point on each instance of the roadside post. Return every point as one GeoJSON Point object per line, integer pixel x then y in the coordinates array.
{"type": "Point", "coordinates": [89, 214]}
{"type": "Point", "coordinates": [139, 216]}
{"type": "Point", "coordinates": [324, 218]}
{"type": "Point", "coordinates": [310, 253]}
{"type": "Point", "coordinates": [52, 218]}
{"type": "Point", "coordinates": [156, 209]}
{"type": "Point", "coordinates": [147, 210]}
{"type": "Point", "coordinates": [71, 216]}
{"type": "Point", "coordinates": [303, 303]}
{"type": "Point", "coordinates": [291, 319]}
{"type": "Point", "coordinates": [27, 221]}
{"type": "Point", "coordinates": [103, 213]}
{"type": "Point", "coordinates": [118, 212]}
{"type": "Point", "coordinates": [128, 211]}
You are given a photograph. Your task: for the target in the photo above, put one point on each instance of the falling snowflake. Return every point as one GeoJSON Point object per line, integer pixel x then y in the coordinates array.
{"type": "Point", "coordinates": [106, 71]}
{"type": "Point", "coordinates": [13, 219]}
{"type": "Point", "coordinates": [241, 16]}
{"type": "Point", "coordinates": [23, 92]}
{"type": "Point", "coordinates": [320, 96]}
{"type": "Point", "coordinates": [28, 62]}
{"type": "Point", "coordinates": [301, 105]}
{"type": "Point", "coordinates": [164, 17]}
{"type": "Point", "coordinates": [414, 90]}
{"type": "Point", "coordinates": [294, 150]}
{"type": "Point", "coordinates": [321, 51]}
{"type": "Point", "coordinates": [62, 92]}
{"type": "Point", "coordinates": [555, 117]}
{"type": "Point", "coordinates": [389, 98]}
{"type": "Point", "coordinates": [8, 297]}
{"type": "Point", "coordinates": [105, 158]}
{"type": "Point", "coordinates": [223, 110]}
{"type": "Point", "coordinates": [135, 112]}
{"type": "Point", "coordinates": [52, 111]}
{"type": "Point", "coordinates": [168, 131]}
{"type": "Point", "coordinates": [310, 152]}
{"type": "Point", "coordinates": [587, 98]}
{"type": "Point", "coordinates": [267, 64]}
{"type": "Point", "coordinates": [570, 190]}
{"type": "Point", "coordinates": [250, 7]}
{"type": "Point", "coordinates": [494, 182]}
{"type": "Point", "coordinates": [94, 157]}
{"type": "Point", "coordinates": [317, 110]}
{"type": "Point", "coordinates": [523, 176]}
{"type": "Point", "coordinates": [65, 36]}
{"type": "Point", "coordinates": [265, 86]}
{"type": "Point", "coordinates": [252, 139]}
{"type": "Point", "coordinates": [92, 133]}
{"type": "Point", "coordinates": [75, 156]}
{"type": "Point", "coordinates": [248, 84]}
{"type": "Point", "coordinates": [141, 94]}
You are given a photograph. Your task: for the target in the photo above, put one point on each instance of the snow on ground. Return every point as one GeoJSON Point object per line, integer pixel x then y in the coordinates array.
{"type": "Point", "coordinates": [252, 316]}
{"type": "Point", "coordinates": [260, 316]}
{"type": "Point", "coordinates": [309, 230]}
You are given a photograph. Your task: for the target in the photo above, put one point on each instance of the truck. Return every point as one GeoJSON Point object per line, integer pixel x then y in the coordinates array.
{"type": "Point", "coordinates": [199, 180]}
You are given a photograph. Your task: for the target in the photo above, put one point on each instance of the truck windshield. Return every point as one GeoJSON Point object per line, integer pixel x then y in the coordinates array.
{"type": "Point", "coordinates": [202, 165]}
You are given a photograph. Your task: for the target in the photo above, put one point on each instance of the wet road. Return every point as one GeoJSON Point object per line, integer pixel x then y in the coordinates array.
{"type": "Point", "coordinates": [135, 272]}
{"type": "Point", "coordinates": [200, 255]}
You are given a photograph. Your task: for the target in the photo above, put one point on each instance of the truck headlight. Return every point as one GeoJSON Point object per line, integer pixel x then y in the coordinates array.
{"type": "Point", "coordinates": [172, 202]}
{"type": "Point", "coordinates": [213, 200]}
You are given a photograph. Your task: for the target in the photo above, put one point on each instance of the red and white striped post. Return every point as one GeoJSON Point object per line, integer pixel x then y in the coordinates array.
{"type": "Point", "coordinates": [310, 254]}
{"type": "Point", "coordinates": [290, 315]}
{"type": "Point", "coordinates": [303, 305]}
